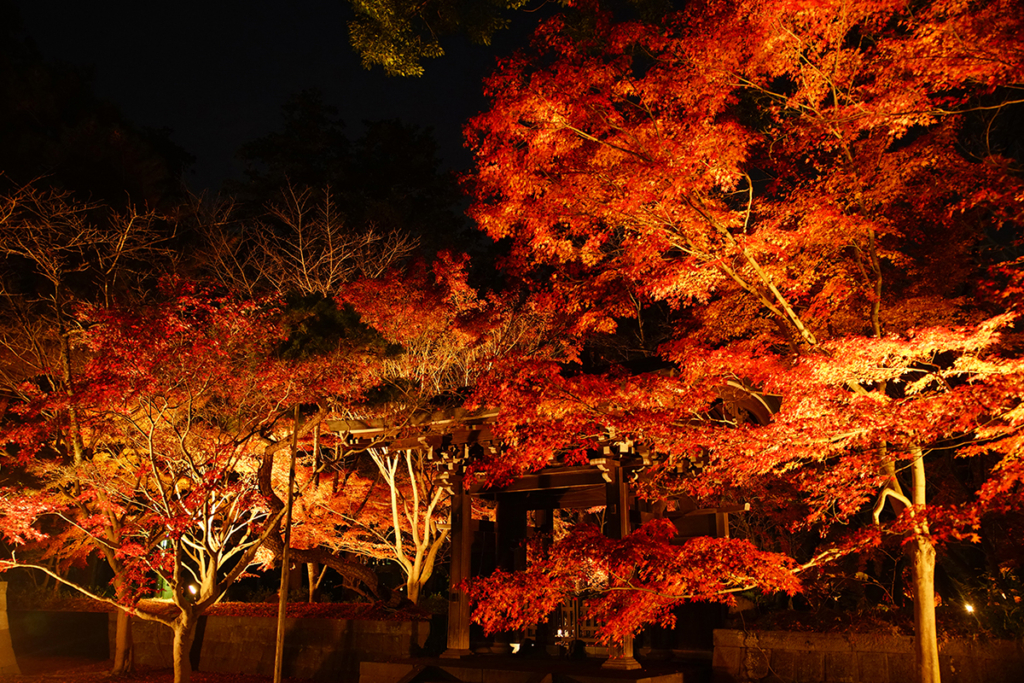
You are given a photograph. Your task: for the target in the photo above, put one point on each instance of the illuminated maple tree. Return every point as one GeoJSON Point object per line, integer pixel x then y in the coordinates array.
{"type": "Point", "coordinates": [797, 191]}
{"type": "Point", "coordinates": [59, 253]}
{"type": "Point", "coordinates": [179, 404]}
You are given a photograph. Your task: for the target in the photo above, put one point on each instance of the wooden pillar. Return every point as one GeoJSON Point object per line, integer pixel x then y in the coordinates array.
{"type": "Point", "coordinates": [617, 526]}
{"type": "Point", "coordinates": [510, 553]}
{"type": "Point", "coordinates": [546, 631]}
{"type": "Point", "coordinates": [458, 601]}
{"type": "Point", "coordinates": [721, 525]}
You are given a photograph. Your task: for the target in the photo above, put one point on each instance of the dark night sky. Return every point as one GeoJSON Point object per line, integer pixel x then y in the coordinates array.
{"type": "Point", "coordinates": [217, 72]}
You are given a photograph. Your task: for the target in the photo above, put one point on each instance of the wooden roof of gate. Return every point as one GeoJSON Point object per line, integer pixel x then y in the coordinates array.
{"type": "Point", "coordinates": [422, 430]}
{"type": "Point", "coordinates": [439, 432]}
{"type": "Point", "coordinates": [738, 401]}
{"type": "Point", "coordinates": [445, 435]}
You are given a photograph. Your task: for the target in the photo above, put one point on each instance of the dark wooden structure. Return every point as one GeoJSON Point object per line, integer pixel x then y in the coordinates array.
{"type": "Point", "coordinates": [454, 437]}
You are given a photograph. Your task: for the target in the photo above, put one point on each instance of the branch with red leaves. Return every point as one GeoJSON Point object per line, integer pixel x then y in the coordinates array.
{"type": "Point", "coordinates": [628, 583]}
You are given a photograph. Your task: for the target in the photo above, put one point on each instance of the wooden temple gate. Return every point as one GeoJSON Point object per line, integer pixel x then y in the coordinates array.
{"type": "Point", "coordinates": [453, 439]}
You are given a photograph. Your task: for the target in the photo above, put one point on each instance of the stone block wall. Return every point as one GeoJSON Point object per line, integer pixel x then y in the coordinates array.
{"type": "Point", "coordinates": [790, 657]}
{"type": "Point", "coordinates": [8, 664]}
{"type": "Point", "coordinates": [324, 649]}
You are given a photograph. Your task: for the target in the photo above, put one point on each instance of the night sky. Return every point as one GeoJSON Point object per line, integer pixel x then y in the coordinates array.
{"type": "Point", "coordinates": [217, 72]}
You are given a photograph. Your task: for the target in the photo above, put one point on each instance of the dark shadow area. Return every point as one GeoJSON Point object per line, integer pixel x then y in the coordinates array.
{"type": "Point", "coordinates": [60, 634]}
{"type": "Point", "coordinates": [429, 674]}
{"type": "Point", "coordinates": [437, 640]}
{"type": "Point", "coordinates": [342, 663]}
{"type": "Point", "coordinates": [197, 644]}
{"type": "Point", "coordinates": [505, 669]}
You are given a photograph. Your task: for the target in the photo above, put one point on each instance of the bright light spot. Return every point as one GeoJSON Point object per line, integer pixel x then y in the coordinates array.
{"type": "Point", "coordinates": [515, 647]}
{"type": "Point", "coordinates": [192, 589]}
{"type": "Point", "coordinates": [969, 607]}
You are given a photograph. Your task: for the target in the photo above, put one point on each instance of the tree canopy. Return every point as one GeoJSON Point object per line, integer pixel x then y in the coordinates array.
{"type": "Point", "coordinates": [798, 193]}
{"type": "Point", "coordinates": [398, 35]}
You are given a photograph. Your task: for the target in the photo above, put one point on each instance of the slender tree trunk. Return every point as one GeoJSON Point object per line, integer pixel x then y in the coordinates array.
{"type": "Point", "coordinates": [75, 433]}
{"type": "Point", "coordinates": [922, 552]}
{"type": "Point", "coordinates": [313, 573]}
{"type": "Point", "coordinates": [124, 648]}
{"type": "Point", "coordinates": [426, 538]}
{"type": "Point", "coordinates": [422, 570]}
{"type": "Point", "coordinates": [282, 605]}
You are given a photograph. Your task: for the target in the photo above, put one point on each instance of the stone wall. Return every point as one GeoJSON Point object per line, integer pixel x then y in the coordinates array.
{"type": "Point", "coordinates": [323, 649]}
{"type": "Point", "coordinates": [784, 657]}
{"type": "Point", "coordinates": [8, 664]}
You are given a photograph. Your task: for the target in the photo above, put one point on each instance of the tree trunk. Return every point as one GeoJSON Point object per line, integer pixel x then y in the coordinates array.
{"type": "Point", "coordinates": [124, 648]}
{"type": "Point", "coordinates": [412, 590]}
{"type": "Point", "coordinates": [313, 573]}
{"type": "Point", "coordinates": [926, 647]}
{"type": "Point", "coordinates": [922, 552]}
{"type": "Point", "coordinates": [422, 570]}
{"type": "Point", "coordinates": [282, 605]}
{"type": "Point", "coordinates": [124, 654]}
{"type": "Point", "coordinates": [184, 632]}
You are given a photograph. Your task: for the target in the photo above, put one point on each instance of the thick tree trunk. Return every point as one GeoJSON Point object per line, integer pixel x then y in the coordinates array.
{"type": "Point", "coordinates": [423, 568]}
{"type": "Point", "coordinates": [124, 649]}
{"type": "Point", "coordinates": [184, 632]}
{"type": "Point", "coordinates": [412, 590]}
{"type": "Point", "coordinates": [926, 646]}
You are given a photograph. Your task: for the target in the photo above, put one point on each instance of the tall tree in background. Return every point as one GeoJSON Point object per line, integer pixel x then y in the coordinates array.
{"type": "Point", "coordinates": [398, 35]}
{"type": "Point", "coordinates": [53, 126]}
{"type": "Point", "coordinates": [328, 212]}
{"type": "Point", "coordinates": [388, 180]}
{"type": "Point", "coordinates": [425, 337]}
{"type": "Point", "coordinates": [402, 187]}
{"type": "Point", "coordinates": [310, 150]}
{"type": "Point", "coordinates": [304, 246]}
{"type": "Point", "coordinates": [803, 185]}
